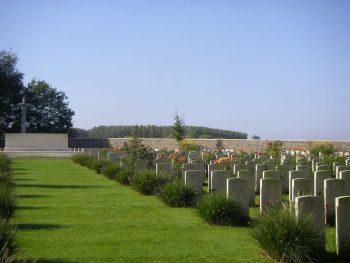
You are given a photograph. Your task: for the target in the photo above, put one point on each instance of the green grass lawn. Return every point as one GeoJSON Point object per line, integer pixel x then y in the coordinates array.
{"type": "Point", "coordinates": [67, 213]}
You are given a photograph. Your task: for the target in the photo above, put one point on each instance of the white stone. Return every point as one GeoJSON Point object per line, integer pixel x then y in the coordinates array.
{"type": "Point", "coordinates": [338, 169]}
{"type": "Point", "coordinates": [270, 193]}
{"type": "Point", "coordinates": [345, 175]}
{"type": "Point", "coordinates": [237, 189]}
{"type": "Point", "coordinates": [342, 225]}
{"type": "Point", "coordinates": [294, 175]}
{"type": "Point", "coordinates": [312, 207]}
{"type": "Point", "coordinates": [301, 187]}
{"type": "Point", "coordinates": [333, 188]}
{"type": "Point", "coordinates": [319, 178]}
{"type": "Point", "coordinates": [249, 176]}
{"type": "Point", "coordinates": [194, 179]}
{"type": "Point", "coordinates": [259, 168]}
{"type": "Point", "coordinates": [212, 167]}
{"type": "Point", "coordinates": [218, 181]}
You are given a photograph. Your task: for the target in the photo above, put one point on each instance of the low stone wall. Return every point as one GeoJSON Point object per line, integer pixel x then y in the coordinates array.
{"type": "Point", "coordinates": [235, 144]}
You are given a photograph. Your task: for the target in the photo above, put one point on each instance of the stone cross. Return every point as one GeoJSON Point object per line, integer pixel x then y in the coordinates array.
{"type": "Point", "coordinates": [24, 113]}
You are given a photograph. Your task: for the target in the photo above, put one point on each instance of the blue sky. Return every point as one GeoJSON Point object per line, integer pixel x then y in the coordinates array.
{"type": "Point", "coordinates": [278, 69]}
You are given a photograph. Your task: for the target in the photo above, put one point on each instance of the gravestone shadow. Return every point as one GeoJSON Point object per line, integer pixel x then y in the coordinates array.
{"type": "Point", "coordinates": [39, 226]}
{"type": "Point", "coordinates": [57, 186]}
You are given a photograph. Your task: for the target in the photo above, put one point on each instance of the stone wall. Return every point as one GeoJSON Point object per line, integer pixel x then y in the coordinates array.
{"type": "Point", "coordinates": [235, 144]}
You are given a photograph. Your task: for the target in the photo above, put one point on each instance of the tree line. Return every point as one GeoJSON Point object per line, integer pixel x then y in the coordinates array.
{"type": "Point", "coordinates": [154, 131]}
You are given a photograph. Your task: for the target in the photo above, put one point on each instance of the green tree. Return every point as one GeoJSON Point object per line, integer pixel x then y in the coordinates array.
{"type": "Point", "coordinates": [48, 109]}
{"type": "Point", "coordinates": [178, 129]}
{"type": "Point", "coordinates": [135, 150]}
{"type": "Point", "coordinates": [11, 92]}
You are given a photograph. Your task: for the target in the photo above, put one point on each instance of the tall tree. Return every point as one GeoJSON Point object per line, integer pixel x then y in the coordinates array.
{"type": "Point", "coordinates": [178, 129]}
{"type": "Point", "coordinates": [11, 92]}
{"type": "Point", "coordinates": [48, 109]}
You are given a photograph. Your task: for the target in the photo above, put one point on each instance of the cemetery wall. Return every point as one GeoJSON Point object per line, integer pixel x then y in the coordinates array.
{"type": "Point", "coordinates": [235, 144]}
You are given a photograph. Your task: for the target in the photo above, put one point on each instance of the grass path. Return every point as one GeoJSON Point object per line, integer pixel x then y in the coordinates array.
{"type": "Point", "coordinates": [67, 213]}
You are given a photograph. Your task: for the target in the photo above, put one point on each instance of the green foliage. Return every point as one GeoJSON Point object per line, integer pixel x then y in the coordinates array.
{"type": "Point", "coordinates": [5, 164]}
{"type": "Point", "coordinates": [178, 129]}
{"type": "Point", "coordinates": [148, 183]}
{"type": "Point", "coordinates": [219, 145]}
{"type": "Point", "coordinates": [48, 109]}
{"type": "Point", "coordinates": [219, 210]}
{"type": "Point", "coordinates": [176, 194]}
{"type": "Point", "coordinates": [135, 150]}
{"type": "Point", "coordinates": [188, 145]}
{"type": "Point", "coordinates": [11, 93]}
{"type": "Point", "coordinates": [99, 165]}
{"type": "Point", "coordinates": [124, 176]}
{"type": "Point", "coordinates": [153, 131]}
{"type": "Point", "coordinates": [256, 137]}
{"type": "Point", "coordinates": [7, 239]}
{"type": "Point", "coordinates": [323, 147]}
{"type": "Point", "coordinates": [111, 170]}
{"type": "Point", "coordinates": [7, 201]}
{"type": "Point", "coordinates": [83, 159]}
{"type": "Point", "coordinates": [274, 149]}
{"type": "Point", "coordinates": [285, 238]}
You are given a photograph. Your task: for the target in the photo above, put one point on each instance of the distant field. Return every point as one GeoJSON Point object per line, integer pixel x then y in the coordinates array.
{"type": "Point", "coordinates": [67, 213]}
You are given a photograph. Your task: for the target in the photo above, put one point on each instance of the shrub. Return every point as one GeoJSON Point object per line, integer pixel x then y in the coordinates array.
{"type": "Point", "coordinates": [7, 239]}
{"type": "Point", "coordinates": [147, 182]}
{"type": "Point", "coordinates": [111, 171]}
{"type": "Point", "coordinates": [325, 148]}
{"type": "Point", "coordinates": [7, 201]}
{"type": "Point", "coordinates": [135, 150]}
{"type": "Point", "coordinates": [124, 176]}
{"type": "Point", "coordinates": [176, 194]}
{"type": "Point", "coordinates": [286, 238]}
{"type": "Point", "coordinates": [83, 159]}
{"type": "Point", "coordinates": [99, 165]}
{"type": "Point", "coordinates": [219, 210]}
{"type": "Point", "coordinates": [5, 164]}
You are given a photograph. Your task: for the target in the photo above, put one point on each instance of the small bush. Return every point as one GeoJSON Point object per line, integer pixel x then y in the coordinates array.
{"type": "Point", "coordinates": [83, 159]}
{"type": "Point", "coordinates": [7, 201]}
{"type": "Point", "coordinates": [147, 182]}
{"type": "Point", "coordinates": [124, 176]}
{"type": "Point", "coordinates": [7, 238]}
{"type": "Point", "coordinates": [99, 165]}
{"type": "Point", "coordinates": [5, 164]}
{"type": "Point", "coordinates": [176, 194]}
{"type": "Point", "coordinates": [286, 238]}
{"type": "Point", "coordinates": [111, 171]}
{"type": "Point", "coordinates": [6, 178]}
{"type": "Point", "coordinates": [219, 210]}
{"type": "Point", "coordinates": [325, 148]}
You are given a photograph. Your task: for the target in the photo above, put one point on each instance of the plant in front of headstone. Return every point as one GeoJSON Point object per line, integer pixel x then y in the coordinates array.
{"type": "Point", "coordinates": [219, 145]}
{"type": "Point", "coordinates": [8, 245]}
{"type": "Point", "coordinates": [225, 162]}
{"type": "Point", "coordinates": [176, 194]}
{"type": "Point", "coordinates": [208, 156]}
{"type": "Point", "coordinates": [99, 165]}
{"type": "Point", "coordinates": [188, 145]}
{"type": "Point", "coordinates": [219, 210]}
{"type": "Point", "coordinates": [111, 170]}
{"type": "Point", "coordinates": [274, 149]}
{"type": "Point", "coordinates": [285, 238]}
{"type": "Point", "coordinates": [135, 150]}
{"type": "Point", "coordinates": [177, 160]}
{"type": "Point", "coordinates": [324, 148]}
{"type": "Point", "coordinates": [178, 128]}
{"type": "Point", "coordinates": [83, 159]}
{"type": "Point", "coordinates": [147, 182]}
{"type": "Point", "coordinates": [124, 175]}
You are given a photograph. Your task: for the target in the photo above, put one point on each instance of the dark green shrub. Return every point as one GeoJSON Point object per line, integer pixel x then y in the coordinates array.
{"type": "Point", "coordinates": [7, 201]}
{"type": "Point", "coordinates": [219, 210]}
{"type": "Point", "coordinates": [5, 164]}
{"type": "Point", "coordinates": [83, 159]}
{"type": "Point", "coordinates": [6, 178]}
{"type": "Point", "coordinates": [124, 176]}
{"type": "Point", "coordinates": [147, 182]}
{"type": "Point", "coordinates": [176, 194]}
{"type": "Point", "coordinates": [111, 171]}
{"type": "Point", "coordinates": [325, 148]}
{"type": "Point", "coordinates": [7, 239]}
{"type": "Point", "coordinates": [134, 150]}
{"type": "Point", "coordinates": [99, 165]}
{"type": "Point", "coordinates": [285, 238]}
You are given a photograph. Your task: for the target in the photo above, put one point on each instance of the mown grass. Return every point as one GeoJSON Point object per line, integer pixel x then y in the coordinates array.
{"type": "Point", "coordinates": [67, 213]}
